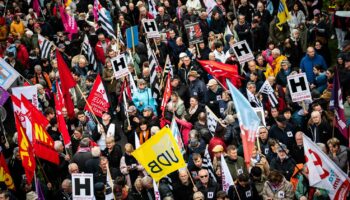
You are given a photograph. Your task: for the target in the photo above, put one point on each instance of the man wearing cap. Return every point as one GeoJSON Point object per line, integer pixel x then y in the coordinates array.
{"type": "Point", "coordinates": [283, 163]}
{"type": "Point", "coordinates": [197, 87]}
{"type": "Point", "coordinates": [282, 131]}
{"type": "Point", "coordinates": [148, 114]}
{"type": "Point", "coordinates": [214, 95]}
{"type": "Point", "coordinates": [143, 97]}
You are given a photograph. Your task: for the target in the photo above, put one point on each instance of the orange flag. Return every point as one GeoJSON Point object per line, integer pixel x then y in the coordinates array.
{"type": "Point", "coordinates": [25, 151]}
{"type": "Point", "coordinates": [42, 142]}
{"type": "Point", "coordinates": [5, 175]}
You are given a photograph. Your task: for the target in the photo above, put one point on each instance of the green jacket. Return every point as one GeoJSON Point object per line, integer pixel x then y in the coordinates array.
{"type": "Point", "coordinates": [302, 190]}
{"type": "Point", "coordinates": [236, 167]}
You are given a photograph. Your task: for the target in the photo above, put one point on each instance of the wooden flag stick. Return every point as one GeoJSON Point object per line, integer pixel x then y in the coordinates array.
{"type": "Point", "coordinates": [88, 104]}
{"type": "Point", "coordinates": [198, 54]}
{"type": "Point", "coordinates": [132, 39]}
{"type": "Point", "coordinates": [126, 107]}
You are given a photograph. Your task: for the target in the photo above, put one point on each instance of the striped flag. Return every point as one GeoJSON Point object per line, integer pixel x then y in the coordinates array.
{"type": "Point", "coordinates": [168, 67]}
{"type": "Point", "coordinates": [104, 18]}
{"type": "Point", "coordinates": [253, 99]}
{"type": "Point", "coordinates": [87, 50]}
{"type": "Point", "coordinates": [212, 120]}
{"type": "Point", "coordinates": [268, 90]}
{"type": "Point", "coordinates": [152, 8]}
{"type": "Point", "coordinates": [177, 135]}
{"type": "Point", "coordinates": [155, 86]}
{"type": "Point", "coordinates": [45, 46]}
{"type": "Point", "coordinates": [208, 165]}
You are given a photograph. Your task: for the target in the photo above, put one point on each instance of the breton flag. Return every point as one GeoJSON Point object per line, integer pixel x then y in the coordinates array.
{"type": "Point", "coordinates": [208, 165]}
{"type": "Point", "coordinates": [168, 67]}
{"type": "Point", "coordinates": [212, 120]}
{"type": "Point", "coordinates": [45, 46]}
{"type": "Point", "coordinates": [248, 121]}
{"type": "Point", "coordinates": [252, 98]}
{"type": "Point", "coordinates": [268, 90]}
{"type": "Point", "coordinates": [226, 177]}
{"type": "Point", "coordinates": [87, 50]}
{"type": "Point", "coordinates": [155, 86]}
{"type": "Point", "coordinates": [324, 173]}
{"type": "Point", "coordinates": [177, 135]}
{"type": "Point", "coordinates": [336, 104]}
{"type": "Point", "coordinates": [104, 18]}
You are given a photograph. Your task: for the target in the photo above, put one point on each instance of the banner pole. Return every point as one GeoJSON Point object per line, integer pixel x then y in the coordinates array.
{"type": "Point", "coordinates": [198, 53]}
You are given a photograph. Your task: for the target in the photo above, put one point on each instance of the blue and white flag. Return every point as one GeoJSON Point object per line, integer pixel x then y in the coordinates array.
{"type": "Point", "coordinates": [248, 120]}
{"type": "Point", "coordinates": [132, 37]}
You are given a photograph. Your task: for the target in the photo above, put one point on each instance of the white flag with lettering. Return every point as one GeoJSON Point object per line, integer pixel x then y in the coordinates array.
{"type": "Point", "coordinates": [324, 173]}
{"type": "Point", "coordinates": [227, 180]}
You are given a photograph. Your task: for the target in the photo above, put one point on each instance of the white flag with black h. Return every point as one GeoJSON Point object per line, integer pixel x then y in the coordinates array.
{"type": "Point", "coordinates": [268, 90]}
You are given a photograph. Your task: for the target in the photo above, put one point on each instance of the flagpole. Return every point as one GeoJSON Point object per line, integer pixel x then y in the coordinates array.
{"type": "Point", "coordinates": [198, 54]}
{"type": "Point", "coordinates": [216, 118]}
{"type": "Point", "coordinates": [5, 8]}
{"type": "Point", "coordinates": [189, 174]}
{"type": "Point", "coordinates": [126, 107]}
{"type": "Point", "coordinates": [219, 82]}
{"type": "Point", "coordinates": [110, 178]}
{"type": "Point", "coordinates": [118, 30]}
{"type": "Point", "coordinates": [132, 39]}
{"type": "Point", "coordinates": [88, 104]}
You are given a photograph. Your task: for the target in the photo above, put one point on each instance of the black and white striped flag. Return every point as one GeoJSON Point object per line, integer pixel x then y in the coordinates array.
{"type": "Point", "coordinates": [154, 82]}
{"type": "Point", "coordinates": [87, 50]}
{"type": "Point", "coordinates": [104, 18]}
{"type": "Point", "coordinates": [268, 90]}
{"type": "Point", "coordinates": [208, 165]}
{"type": "Point", "coordinates": [45, 46]}
{"type": "Point", "coordinates": [168, 68]}
{"type": "Point", "coordinates": [254, 99]}
{"type": "Point", "coordinates": [212, 120]}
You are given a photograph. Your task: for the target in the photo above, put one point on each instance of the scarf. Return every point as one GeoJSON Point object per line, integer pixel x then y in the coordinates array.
{"type": "Point", "coordinates": [143, 138]}
{"type": "Point", "coordinates": [191, 111]}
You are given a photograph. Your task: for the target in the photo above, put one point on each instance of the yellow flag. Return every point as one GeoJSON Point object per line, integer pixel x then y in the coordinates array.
{"type": "Point", "coordinates": [160, 155]}
{"type": "Point", "coordinates": [282, 14]}
{"type": "Point", "coordinates": [68, 2]}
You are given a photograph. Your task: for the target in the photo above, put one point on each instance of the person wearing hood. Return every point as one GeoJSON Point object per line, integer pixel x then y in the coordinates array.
{"type": "Point", "coordinates": [143, 97]}
{"type": "Point", "coordinates": [338, 153]}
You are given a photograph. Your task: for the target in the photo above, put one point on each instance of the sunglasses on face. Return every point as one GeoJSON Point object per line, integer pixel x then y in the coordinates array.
{"type": "Point", "coordinates": [205, 176]}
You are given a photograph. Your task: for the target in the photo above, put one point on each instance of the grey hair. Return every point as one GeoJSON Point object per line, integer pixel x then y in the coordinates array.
{"type": "Point", "coordinates": [96, 151]}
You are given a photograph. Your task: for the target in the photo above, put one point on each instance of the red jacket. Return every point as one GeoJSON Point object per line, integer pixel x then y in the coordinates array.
{"type": "Point", "coordinates": [22, 55]}
{"type": "Point", "coordinates": [100, 54]}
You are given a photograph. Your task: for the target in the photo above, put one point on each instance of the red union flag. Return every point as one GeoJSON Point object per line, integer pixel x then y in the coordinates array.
{"type": "Point", "coordinates": [25, 151]}
{"type": "Point", "coordinates": [98, 99]}
{"type": "Point", "coordinates": [5, 175]}
{"type": "Point", "coordinates": [324, 173]}
{"type": "Point", "coordinates": [43, 144]}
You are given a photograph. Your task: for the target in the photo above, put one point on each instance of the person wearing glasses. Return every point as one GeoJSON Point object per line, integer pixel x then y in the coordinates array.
{"type": "Point", "coordinates": [207, 186]}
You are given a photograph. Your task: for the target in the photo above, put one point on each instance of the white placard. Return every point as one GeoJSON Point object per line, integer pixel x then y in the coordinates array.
{"type": "Point", "coordinates": [83, 186]}
{"type": "Point", "coordinates": [243, 52]}
{"type": "Point", "coordinates": [151, 28]}
{"type": "Point", "coordinates": [298, 87]}
{"type": "Point", "coordinates": [119, 66]}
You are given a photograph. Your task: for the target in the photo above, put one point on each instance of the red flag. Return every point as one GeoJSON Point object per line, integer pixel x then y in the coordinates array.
{"type": "Point", "coordinates": [5, 175]}
{"type": "Point", "coordinates": [25, 151]}
{"type": "Point", "coordinates": [42, 142]}
{"type": "Point", "coordinates": [125, 88]}
{"type": "Point", "coordinates": [62, 127]}
{"type": "Point", "coordinates": [97, 99]}
{"type": "Point", "coordinates": [167, 94]}
{"type": "Point", "coordinates": [67, 82]}
{"type": "Point", "coordinates": [222, 71]}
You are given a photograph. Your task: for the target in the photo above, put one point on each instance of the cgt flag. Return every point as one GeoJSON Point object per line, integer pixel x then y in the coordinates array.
{"type": "Point", "coordinates": [248, 121]}
{"type": "Point", "coordinates": [5, 175]}
{"type": "Point", "coordinates": [42, 142]}
{"type": "Point", "coordinates": [25, 151]}
{"type": "Point", "coordinates": [97, 99]}
{"type": "Point", "coordinates": [160, 155]}
{"type": "Point", "coordinates": [62, 126]}
{"type": "Point", "coordinates": [324, 173]}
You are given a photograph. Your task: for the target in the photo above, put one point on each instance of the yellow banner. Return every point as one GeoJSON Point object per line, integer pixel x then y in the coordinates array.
{"type": "Point", "coordinates": [160, 155]}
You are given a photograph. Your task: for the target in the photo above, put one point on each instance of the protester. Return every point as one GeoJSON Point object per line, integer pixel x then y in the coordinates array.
{"type": "Point", "coordinates": [111, 84]}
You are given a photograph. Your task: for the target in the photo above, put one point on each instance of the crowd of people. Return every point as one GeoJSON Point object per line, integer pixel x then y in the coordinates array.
{"type": "Point", "coordinates": [305, 43]}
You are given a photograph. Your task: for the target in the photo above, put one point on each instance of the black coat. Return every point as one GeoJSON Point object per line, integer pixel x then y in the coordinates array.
{"type": "Point", "coordinates": [286, 136]}
{"type": "Point", "coordinates": [285, 166]}
{"type": "Point", "coordinates": [183, 192]}
{"type": "Point", "coordinates": [114, 156]}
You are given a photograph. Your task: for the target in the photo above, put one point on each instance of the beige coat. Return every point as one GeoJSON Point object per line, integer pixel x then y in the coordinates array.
{"type": "Point", "coordinates": [284, 192]}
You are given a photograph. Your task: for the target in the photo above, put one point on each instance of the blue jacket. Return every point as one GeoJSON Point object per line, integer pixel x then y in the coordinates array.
{"type": "Point", "coordinates": [144, 96]}
{"type": "Point", "coordinates": [307, 64]}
